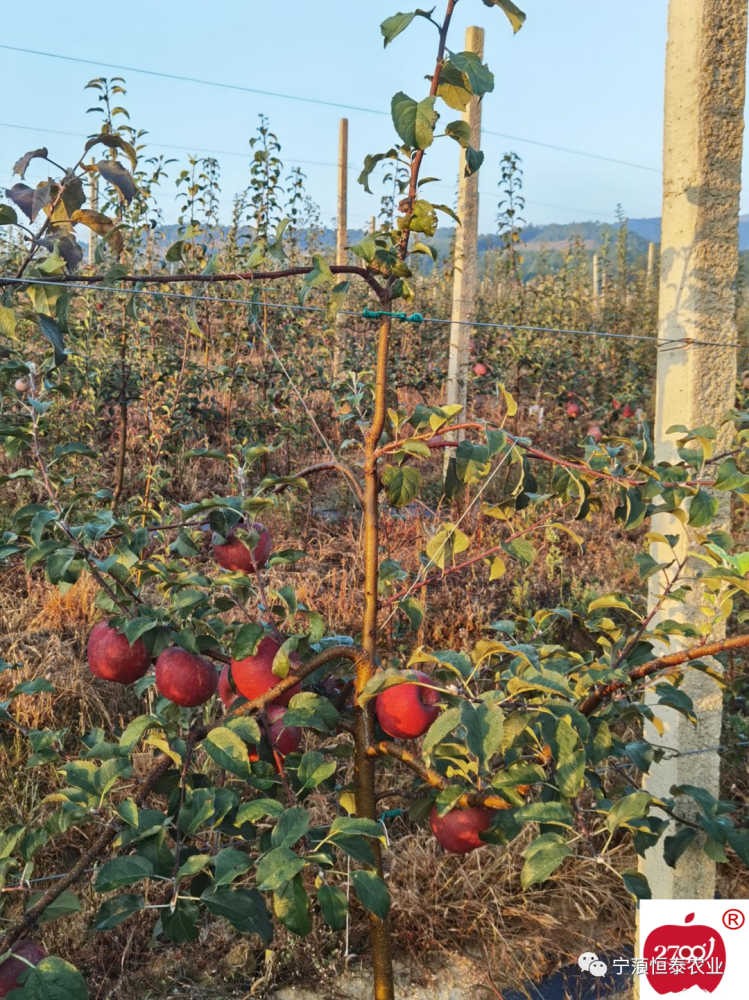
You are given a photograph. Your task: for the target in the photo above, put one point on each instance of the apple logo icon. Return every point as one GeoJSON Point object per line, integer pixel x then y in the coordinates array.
{"type": "Point", "coordinates": [679, 957]}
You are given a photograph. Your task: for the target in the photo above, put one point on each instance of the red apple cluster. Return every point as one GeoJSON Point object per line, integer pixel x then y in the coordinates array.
{"type": "Point", "coordinates": [406, 711]}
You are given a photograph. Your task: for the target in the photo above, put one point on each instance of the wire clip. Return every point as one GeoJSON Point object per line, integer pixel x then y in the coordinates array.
{"type": "Point", "coordinates": [375, 314]}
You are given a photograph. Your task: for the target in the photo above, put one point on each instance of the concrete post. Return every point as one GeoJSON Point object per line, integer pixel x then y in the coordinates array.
{"type": "Point", "coordinates": [703, 132]}
{"type": "Point", "coordinates": [466, 246]}
{"type": "Point", "coordinates": [651, 263]}
{"type": "Point", "coordinates": [93, 204]}
{"type": "Point", "coordinates": [373, 224]}
{"type": "Point", "coordinates": [596, 280]}
{"type": "Point", "coordinates": [341, 228]}
{"type": "Point", "coordinates": [342, 221]}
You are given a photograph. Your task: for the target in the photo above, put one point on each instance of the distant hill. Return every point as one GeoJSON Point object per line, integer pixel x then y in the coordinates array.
{"type": "Point", "coordinates": [553, 238]}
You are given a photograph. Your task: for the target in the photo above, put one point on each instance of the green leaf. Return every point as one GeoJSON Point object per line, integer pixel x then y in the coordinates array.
{"type": "Point", "coordinates": [730, 477]}
{"type": "Point", "coordinates": [478, 77]}
{"type": "Point", "coordinates": [229, 863]}
{"type": "Point", "coordinates": [333, 906]}
{"type": "Point", "coordinates": [251, 812]}
{"type": "Point", "coordinates": [483, 725]}
{"type": "Point", "coordinates": [474, 159]}
{"type": "Point", "coordinates": [52, 979]}
{"type": "Point", "coordinates": [460, 131]}
{"type": "Point", "coordinates": [277, 867]}
{"type": "Point", "coordinates": [442, 726]}
{"type": "Point", "coordinates": [313, 769]}
{"type": "Point", "coordinates": [401, 484]}
{"type": "Point", "coordinates": [453, 89]}
{"type": "Point", "coordinates": [291, 906]}
{"type": "Point", "coordinates": [180, 926]}
{"type": "Point", "coordinates": [52, 332]}
{"type": "Point", "coordinates": [67, 902]}
{"type": "Point", "coordinates": [246, 640]}
{"type": "Point", "coordinates": [245, 909]}
{"type": "Point", "coordinates": [702, 509]}
{"type": "Point", "coordinates": [354, 825]}
{"type": "Point", "coordinates": [37, 686]}
{"type": "Point", "coordinates": [174, 253]}
{"type": "Point", "coordinates": [674, 846]}
{"type": "Point", "coordinates": [122, 871]}
{"type": "Point", "coordinates": [194, 865]}
{"type": "Point", "coordinates": [391, 27]}
{"type": "Point", "coordinates": [556, 813]}
{"type": "Point", "coordinates": [372, 892]}
{"type": "Point", "coordinates": [292, 825]}
{"type": "Point", "coordinates": [522, 772]}
{"type": "Point", "coordinates": [569, 757]}
{"type": "Point", "coordinates": [413, 609]}
{"type": "Point", "coordinates": [630, 807]}
{"type": "Point", "coordinates": [542, 857]}
{"type": "Point", "coordinates": [8, 215]}
{"type": "Point", "coordinates": [514, 14]}
{"type": "Point", "coordinates": [414, 122]}
{"type": "Point", "coordinates": [636, 884]}
{"type": "Point", "coordinates": [228, 751]}
{"type": "Point", "coordinates": [114, 911]}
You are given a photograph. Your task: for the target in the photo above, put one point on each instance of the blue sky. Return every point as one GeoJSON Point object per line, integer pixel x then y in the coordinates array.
{"type": "Point", "coordinates": [586, 74]}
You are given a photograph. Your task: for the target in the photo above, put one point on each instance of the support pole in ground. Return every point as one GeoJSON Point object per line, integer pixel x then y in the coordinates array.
{"type": "Point", "coordinates": [703, 132]}
{"type": "Point", "coordinates": [341, 227]}
{"type": "Point", "coordinates": [372, 224]}
{"type": "Point", "coordinates": [466, 245]}
{"type": "Point", "coordinates": [596, 280]}
{"type": "Point", "coordinates": [651, 263]}
{"type": "Point", "coordinates": [93, 204]}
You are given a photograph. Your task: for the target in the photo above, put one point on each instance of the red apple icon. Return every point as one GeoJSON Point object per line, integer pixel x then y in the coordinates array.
{"type": "Point", "coordinates": [679, 957]}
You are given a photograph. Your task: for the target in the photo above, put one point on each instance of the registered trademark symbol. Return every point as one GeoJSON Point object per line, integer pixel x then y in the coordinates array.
{"type": "Point", "coordinates": [733, 919]}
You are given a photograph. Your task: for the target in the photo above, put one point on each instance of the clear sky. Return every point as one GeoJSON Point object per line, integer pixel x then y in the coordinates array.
{"type": "Point", "coordinates": [585, 74]}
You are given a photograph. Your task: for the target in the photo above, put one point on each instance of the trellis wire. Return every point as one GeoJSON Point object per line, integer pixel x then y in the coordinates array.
{"type": "Point", "coordinates": [685, 341]}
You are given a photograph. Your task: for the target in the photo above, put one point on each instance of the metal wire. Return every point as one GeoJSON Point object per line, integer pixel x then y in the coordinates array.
{"type": "Point", "coordinates": [676, 342]}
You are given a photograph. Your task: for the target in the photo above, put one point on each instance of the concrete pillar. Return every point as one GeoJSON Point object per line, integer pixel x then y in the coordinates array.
{"type": "Point", "coordinates": [342, 220]}
{"type": "Point", "coordinates": [341, 229]}
{"type": "Point", "coordinates": [596, 280]}
{"type": "Point", "coordinates": [93, 204]}
{"type": "Point", "coordinates": [651, 263]}
{"type": "Point", "coordinates": [703, 132]}
{"type": "Point", "coordinates": [466, 247]}
{"type": "Point", "coordinates": [373, 224]}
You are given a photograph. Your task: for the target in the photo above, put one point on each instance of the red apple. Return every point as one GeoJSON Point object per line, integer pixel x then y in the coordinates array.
{"type": "Point", "coordinates": [595, 432]}
{"type": "Point", "coordinates": [670, 949]}
{"type": "Point", "coordinates": [458, 831]}
{"type": "Point", "coordinates": [99, 306]}
{"type": "Point", "coordinates": [572, 410]}
{"type": "Point", "coordinates": [184, 678]}
{"type": "Point", "coordinates": [615, 404]}
{"type": "Point", "coordinates": [480, 369]}
{"type": "Point", "coordinates": [111, 657]}
{"type": "Point", "coordinates": [285, 739]}
{"type": "Point", "coordinates": [253, 675]}
{"type": "Point", "coordinates": [627, 411]}
{"type": "Point", "coordinates": [11, 969]}
{"type": "Point", "coordinates": [22, 385]}
{"type": "Point", "coordinates": [235, 555]}
{"type": "Point", "coordinates": [408, 710]}
{"type": "Point", "coordinates": [225, 691]}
